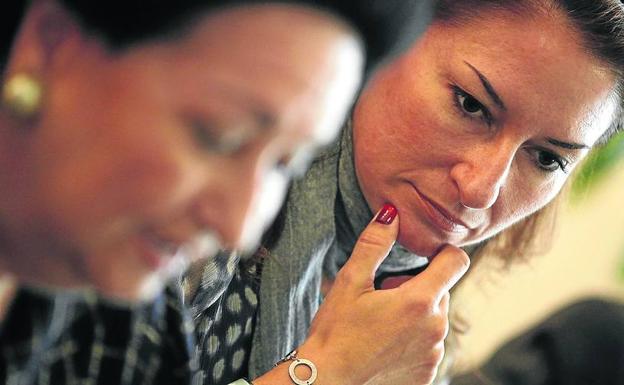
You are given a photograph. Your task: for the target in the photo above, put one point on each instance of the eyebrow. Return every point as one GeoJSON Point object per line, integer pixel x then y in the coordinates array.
{"type": "Point", "coordinates": [265, 119]}
{"type": "Point", "coordinates": [567, 145]}
{"type": "Point", "coordinates": [262, 114]}
{"type": "Point", "coordinates": [499, 102]}
{"type": "Point", "coordinates": [488, 87]}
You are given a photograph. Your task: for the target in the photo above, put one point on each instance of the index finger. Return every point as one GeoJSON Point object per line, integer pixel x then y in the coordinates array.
{"type": "Point", "coordinates": [372, 247]}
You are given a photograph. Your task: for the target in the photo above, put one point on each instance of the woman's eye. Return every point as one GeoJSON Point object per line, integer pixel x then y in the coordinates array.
{"type": "Point", "coordinates": [470, 106]}
{"type": "Point", "coordinates": [204, 136]}
{"type": "Point", "coordinates": [217, 141]}
{"type": "Point", "coordinates": [549, 161]}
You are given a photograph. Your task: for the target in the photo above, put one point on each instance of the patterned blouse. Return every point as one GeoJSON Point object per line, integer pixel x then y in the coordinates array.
{"type": "Point", "coordinates": [51, 338]}
{"type": "Point", "coordinates": [225, 315]}
{"type": "Point", "coordinates": [79, 338]}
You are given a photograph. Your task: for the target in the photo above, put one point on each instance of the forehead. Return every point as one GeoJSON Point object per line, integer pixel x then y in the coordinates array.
{"type": "Point", "coordinates": [280, 61]}
{"type": "Point", "coordinates": [538, 66]}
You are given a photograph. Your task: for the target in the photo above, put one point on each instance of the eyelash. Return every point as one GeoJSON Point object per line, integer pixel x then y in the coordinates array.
{"type": "Point", "coordinates": [536, 152]}
{"type": "Point", "coordinates": [458, 93]}
{"type": "Point", "coordinates": [211, 140]}
{"type": "Point", "coordinates": [487, 118]}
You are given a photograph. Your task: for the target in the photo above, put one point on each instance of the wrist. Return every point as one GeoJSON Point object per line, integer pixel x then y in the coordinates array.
{"type": "Point", "coordinates": [296, 371]}
{"type": "Point", "coordinates": [330, 368]}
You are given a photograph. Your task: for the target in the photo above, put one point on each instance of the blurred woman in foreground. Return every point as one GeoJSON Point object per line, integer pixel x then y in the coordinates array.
{"type": "Point", "coordinates": [135, 137]}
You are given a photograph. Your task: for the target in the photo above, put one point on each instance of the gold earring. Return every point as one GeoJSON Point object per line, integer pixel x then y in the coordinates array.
{"type": "Point", "coordinates": [22, 95]}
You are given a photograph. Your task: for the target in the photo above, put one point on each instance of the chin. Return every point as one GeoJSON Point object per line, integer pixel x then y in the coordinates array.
{"type": "Point", "coordinates": [143, 288]}
{"type": "Point", "coordinates": [421, 240]}
{"type": "Point", "coordinates": [131, 281]}
{"type": "Point", "coordinates": [421, 247]}
{"type": "Point", "coordinates": [150, 288]}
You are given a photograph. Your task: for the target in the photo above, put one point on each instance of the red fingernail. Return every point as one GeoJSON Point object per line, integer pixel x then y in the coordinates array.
{"type": "Point", "coordinates": [387, 214]}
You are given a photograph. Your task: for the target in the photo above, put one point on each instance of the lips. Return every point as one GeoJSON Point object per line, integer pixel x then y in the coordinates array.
{"type": "Point", "coordinates": [158, 250]}
{"type": "Point", "coordinates": [155, 251]}
{"type": "Point", "coordinates": [439, 216]}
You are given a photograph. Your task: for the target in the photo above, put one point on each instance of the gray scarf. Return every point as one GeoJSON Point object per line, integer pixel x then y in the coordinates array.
{"type": "Point", "coordinates": [324, 214]}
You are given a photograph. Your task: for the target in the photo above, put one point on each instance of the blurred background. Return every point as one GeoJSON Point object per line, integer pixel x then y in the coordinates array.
{"type": "Point", "coordinates": [586, 259]}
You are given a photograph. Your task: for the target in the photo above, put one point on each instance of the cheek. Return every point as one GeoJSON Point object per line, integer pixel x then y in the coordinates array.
{"type": "Point", "coordinates": [406, 117]}
{"type": "Point", "coordinates": [396, 140]}
{"type": "Point", "coordinates": [103, 194]}
{"type": "Point", "coordinates": [120, 170]}
{"type": "Point", "coordinates": [522, 198]}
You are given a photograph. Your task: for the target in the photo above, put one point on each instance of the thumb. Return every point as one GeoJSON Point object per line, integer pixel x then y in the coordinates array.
{"type": "Point", "coordinates": [372, 247]}
{"type": "Point", "coordinates": [444, 271]}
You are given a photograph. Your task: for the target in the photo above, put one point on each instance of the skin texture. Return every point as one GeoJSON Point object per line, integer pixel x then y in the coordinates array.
{"type": "Point", "coordinates": [366, 336]}
{"type": "Point", "coordinates": [115, 154]}
{"type": "Point", "coordinates": [413, 129]}
{"type": "Point", "coordinates": [410, 322]}
{"type": "Point", "coordinates": [136, 152]}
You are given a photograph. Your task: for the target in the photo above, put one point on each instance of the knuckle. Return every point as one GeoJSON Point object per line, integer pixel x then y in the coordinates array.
{"type": "Point", "coordinates": [431, 369]}
{"type": "Point", "coordinates": [426, 378]}
{"type": "Point", "coordinates": [422, 306]}
{"type": "Point", "coordinates": [372, 239]}
{"type": "Point", "coordinates": [459, 256]}
{"type": "Point", "coordinates": [427, 369]}
{"type": "Point", "coordinates": [439, 331]}
{"type": "Point", "coordinates": [418, 310]}
{"type": "Point", "coordinates": [433, 337]}
{"type": "Point", "coordinates": [435, 358]}
{"type": "Point", "coordinates": [345, 278]}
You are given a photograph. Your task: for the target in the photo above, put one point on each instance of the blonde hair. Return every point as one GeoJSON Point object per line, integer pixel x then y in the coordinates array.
{"type": "Point", "coordinates": [530, 237]}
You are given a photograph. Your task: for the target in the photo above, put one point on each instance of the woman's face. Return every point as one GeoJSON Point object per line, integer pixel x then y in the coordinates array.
{"type": "Point", "coordinates": [137, 153]}
{"type": "Point", "coordinates": [478, 126]}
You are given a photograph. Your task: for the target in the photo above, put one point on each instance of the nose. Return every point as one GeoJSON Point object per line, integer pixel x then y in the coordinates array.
{"type": "Point", "coordinates": [241, 198]}
{"type": "Point", "coordinates": [225, 201]}
{"type": "Point", "coordinates": [481, 173]}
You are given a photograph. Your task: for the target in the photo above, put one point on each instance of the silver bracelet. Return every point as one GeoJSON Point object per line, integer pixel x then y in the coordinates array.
{"type": "Point", "coordinates": [296, 361]}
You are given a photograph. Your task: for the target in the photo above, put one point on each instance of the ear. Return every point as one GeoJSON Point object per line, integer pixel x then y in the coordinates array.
{"type": "Point", "coordinates": [48, 36]}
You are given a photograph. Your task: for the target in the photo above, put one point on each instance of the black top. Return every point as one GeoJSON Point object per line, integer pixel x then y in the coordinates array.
{"type": "Point", "coordinates": [79, 339]}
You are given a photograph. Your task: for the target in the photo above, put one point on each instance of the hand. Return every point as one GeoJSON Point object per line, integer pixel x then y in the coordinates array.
{"type": "Point", "coordinates": [395, 336]}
